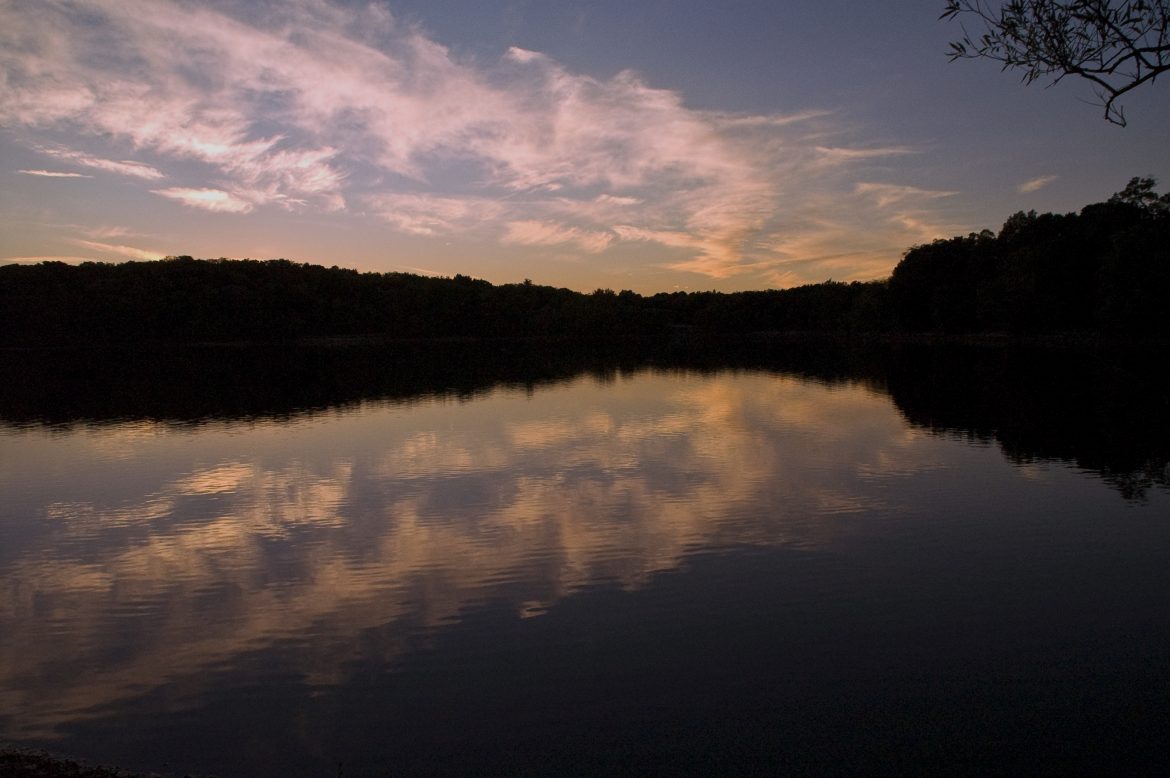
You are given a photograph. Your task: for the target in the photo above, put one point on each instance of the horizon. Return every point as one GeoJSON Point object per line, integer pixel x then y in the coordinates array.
{"type": "Point", "coordinates": [174, 257]}
{"type": "Point", "coordinates": [667, 147]}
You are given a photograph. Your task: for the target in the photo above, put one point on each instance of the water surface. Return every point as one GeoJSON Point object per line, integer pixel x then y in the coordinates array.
{"type": "Point", "coordinates": [633, 570]}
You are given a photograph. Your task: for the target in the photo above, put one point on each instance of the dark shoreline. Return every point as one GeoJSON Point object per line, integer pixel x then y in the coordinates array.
{"type": "Point", "coordinates": [1097, 402]}
{"type": "Point", "coordinates": [682, 336]}
{"type": "Point", "coordinates": [29, 763]}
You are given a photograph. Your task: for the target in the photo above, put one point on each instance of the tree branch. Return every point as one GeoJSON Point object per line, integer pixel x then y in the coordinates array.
{"type": "Point", "coordinates": [1116, 46]}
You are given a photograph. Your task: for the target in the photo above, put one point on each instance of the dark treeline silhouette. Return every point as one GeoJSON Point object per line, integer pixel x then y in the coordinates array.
{"type": "Point", "coordinates": [187, 300]}
{"type": "Point", "coordinates": [1103, 271]}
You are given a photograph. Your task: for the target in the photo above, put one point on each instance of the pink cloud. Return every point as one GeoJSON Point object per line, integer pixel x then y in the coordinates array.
{"type": "Point", "coordinates": [215, 200]}
{"type": "Point", "coordinates": [125, 167]}
{"type": "Point", "coordinates": [52, 174]}
{"type": "Point", "coordinates": [122, 251]}
{"type": "Point", "coordinates": [309, 105]}
{"type": "Point", "coordinates": [423, 214]}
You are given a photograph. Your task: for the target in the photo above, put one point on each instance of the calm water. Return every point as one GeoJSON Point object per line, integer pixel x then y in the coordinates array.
{"type": "Point", "coordinates": [627, 571]}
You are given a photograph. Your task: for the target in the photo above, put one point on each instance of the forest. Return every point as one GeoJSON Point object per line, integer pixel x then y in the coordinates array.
{"type": "Point", "coordinates": [1104, 271]}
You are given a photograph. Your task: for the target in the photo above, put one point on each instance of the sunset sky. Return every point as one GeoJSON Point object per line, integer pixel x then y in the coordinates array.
{"type": "Point", "coordinates": [651, 145]}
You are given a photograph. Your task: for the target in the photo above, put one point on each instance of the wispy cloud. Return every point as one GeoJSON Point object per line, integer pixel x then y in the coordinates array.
{"type": "Point", "coordinates": [53, 174]}
{"type": "Point", "coordinates": [539, 233]}
{"type": "Point", "coordinates": [1035, 184]}
{"type": "Point", "coordinates": [889, 194]}
{"type": "Point", "coordinates": [309, 105]}
{"type": "Point", "coordinates": [105, 232]}
{"type": "Point", "coordinates": [836, 155]}
{"type": "Point", "coordinates": [118, 250]}
{"type": "Point", "coordinates": [215, 200]}
{"type": "Point", "coordinates": [123, 167]}
{"type": "Point", "coordinates": [424, 214]}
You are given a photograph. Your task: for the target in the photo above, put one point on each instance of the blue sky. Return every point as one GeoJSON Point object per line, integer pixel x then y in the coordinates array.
{"type": "Point", "coordinates": [653, 145]}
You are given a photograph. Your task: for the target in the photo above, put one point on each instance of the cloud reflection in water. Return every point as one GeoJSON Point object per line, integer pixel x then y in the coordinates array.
{"type": "Point", "coordinates": [165, 555]}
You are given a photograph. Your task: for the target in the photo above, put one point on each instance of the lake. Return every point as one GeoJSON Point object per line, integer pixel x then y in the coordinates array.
{"type": "Point", "coordinates": [490, 562]}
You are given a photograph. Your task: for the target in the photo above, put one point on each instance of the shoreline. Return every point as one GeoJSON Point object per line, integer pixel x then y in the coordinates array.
{"type": "Point", "coordinates": [37, 763]}
{"type": "Point", "coordinates": [681, 336]}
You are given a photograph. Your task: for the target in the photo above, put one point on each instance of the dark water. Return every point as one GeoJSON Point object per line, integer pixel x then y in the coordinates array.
{"type": "Point", "coordinates": [499, 563]}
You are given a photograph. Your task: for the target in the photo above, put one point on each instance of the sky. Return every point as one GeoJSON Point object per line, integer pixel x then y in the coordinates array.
{"type": "Point", "coordinates": [653, 145]}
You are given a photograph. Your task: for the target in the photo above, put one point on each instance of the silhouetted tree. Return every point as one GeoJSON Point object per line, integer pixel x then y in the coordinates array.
{"type": "Point", "coordinates": [1116, 45]}
{"type": "Point", "coordinates": [1104, 269]}
{"type": "Point", "coordinates": [1139, 193]}
{"type": "Point", "coordinates": [938, 286]}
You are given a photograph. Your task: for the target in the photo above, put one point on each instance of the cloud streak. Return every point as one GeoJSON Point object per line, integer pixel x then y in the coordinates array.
{"type": "Point", "coordinates": [118, 250]}
{"type": "Point", "coordinates": [1035, 184]}
{"type": "Point", "coordinates": [215, 200]}
{"type": "Point", "coordinates": [123, 167]}
{"type": "Point", "coordinates": [52, 174]}
{"type": "Point", "coordinates": [886, 195]}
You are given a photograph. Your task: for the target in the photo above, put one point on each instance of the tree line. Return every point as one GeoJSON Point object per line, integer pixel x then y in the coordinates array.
{"type": "Point", "coordinates": [186, 300]}
{"type": "Point", "coordinates": [1104, 270]}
